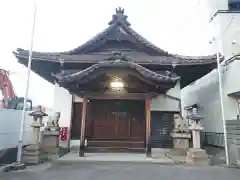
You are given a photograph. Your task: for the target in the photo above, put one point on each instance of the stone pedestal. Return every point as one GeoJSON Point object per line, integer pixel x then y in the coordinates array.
{"type": "Point", "coordinates": [50, 141]}
{"type": "Point", "coordinates": [181, 140]}
{"type": "Point", "coordinates": [197, 156]}
{"type": "Point", "coordinates": [32, 153]}
{"type": "Point", "coordinates": [180, 133]}
{"type": "Point", "coordinates": [196, 129]}
{"type": "Point", "coordinates": [50, 144]}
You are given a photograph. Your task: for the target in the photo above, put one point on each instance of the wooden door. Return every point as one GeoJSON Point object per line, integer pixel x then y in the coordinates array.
{"type": "Point", "coordinates": [123, 119]}
{"type": "Point", "coordinates": [118, 119]}
{"type": "Point", "coordinates": [138, 127]}
{"type": "Point", "coordinates": [104, 120]}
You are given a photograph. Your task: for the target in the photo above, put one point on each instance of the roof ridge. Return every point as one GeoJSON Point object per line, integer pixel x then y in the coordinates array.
{"type": "Point", "coordinates": [212, 56]}
{"type": "Point", "coordinates": [145, 41]}
{"type": "Point", "coordinates": [93, 39]}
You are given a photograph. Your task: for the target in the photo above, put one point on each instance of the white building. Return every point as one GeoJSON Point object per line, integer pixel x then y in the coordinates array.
{"type": "Point", "coordinates": [225, 21]}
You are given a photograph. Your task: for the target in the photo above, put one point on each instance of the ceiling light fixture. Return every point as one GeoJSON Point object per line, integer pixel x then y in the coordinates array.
{"type": "Point", "coordinates": [117, 84]}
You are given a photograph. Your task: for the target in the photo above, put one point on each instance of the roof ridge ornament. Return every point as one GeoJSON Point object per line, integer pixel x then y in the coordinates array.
{"type": "Point", "coordinates": [119, 17]}
{"type": "Point", "coordinates": [118, 55]}
{"type": "Point", "coordinates": [119, 10]}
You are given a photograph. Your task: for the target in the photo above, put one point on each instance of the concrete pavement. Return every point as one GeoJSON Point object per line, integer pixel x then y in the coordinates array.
{"type": "Point", "coordinates": [119, 171]}
{"type": "Point", "coordinates": [159, 158]}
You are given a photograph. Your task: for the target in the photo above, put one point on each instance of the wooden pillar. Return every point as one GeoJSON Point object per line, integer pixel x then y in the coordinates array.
{"type": "Point", "coordinates": [148, 127]}
{"type": "Point", "coordinates": [83, 124]}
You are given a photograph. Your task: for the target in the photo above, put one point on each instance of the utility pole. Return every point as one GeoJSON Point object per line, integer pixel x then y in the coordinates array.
{"type": "Point", "coordinates": [221, 95]}
{"type": "Point", "coordinates": [23, 119]}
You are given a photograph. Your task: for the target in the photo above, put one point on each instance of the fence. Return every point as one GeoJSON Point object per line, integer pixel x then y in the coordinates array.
{"type": "Point", "coordinates": [213, 139]}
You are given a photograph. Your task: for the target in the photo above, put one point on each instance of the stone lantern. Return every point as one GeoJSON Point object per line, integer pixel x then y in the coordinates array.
{"type": "Point", "coordinates": [37, 122]}
{"type": "Point", "coordinates": [32, 153]}
{"type": "Point", "coordinates": [196, 155]}
{"type": "Point", "coordinates": [195, 127]}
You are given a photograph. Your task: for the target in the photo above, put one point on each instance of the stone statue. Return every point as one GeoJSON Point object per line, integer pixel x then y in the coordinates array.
{"type": "Point", "coordinates": [53, 122]}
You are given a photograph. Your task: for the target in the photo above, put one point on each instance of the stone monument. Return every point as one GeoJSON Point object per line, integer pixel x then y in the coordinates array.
{"type": "Point", "coordinates": [32, 153]}
{"type": "Point", "coordinates": [50, 141]}
{"type": "Point", "coordinates": [196, 155]}
{"type": "Point", "coordinates": [180, 133]}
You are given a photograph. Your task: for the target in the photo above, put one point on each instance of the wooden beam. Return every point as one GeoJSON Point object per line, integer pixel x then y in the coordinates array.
{"type": "Point", "coordinates": [83, 124]}
{"type": "Point", "coordinates": [130, 96]}
{"type": "Point", "coordinates": [148, 126]}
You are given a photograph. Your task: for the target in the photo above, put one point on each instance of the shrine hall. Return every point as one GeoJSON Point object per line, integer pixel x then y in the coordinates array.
{"type": "Point", "coordinates": [129, 88]}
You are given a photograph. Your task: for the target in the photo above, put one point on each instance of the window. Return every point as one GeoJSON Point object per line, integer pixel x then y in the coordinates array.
{"type": "Point", "coordinates": [234, 5]}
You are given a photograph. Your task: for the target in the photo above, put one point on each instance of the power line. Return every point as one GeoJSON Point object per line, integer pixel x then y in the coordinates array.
{"type": "Point", "coordinates": [228, 26]}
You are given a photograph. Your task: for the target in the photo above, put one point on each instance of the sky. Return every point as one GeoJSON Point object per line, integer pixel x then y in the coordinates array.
{"type": "Point", "coordinates": [180, 27]}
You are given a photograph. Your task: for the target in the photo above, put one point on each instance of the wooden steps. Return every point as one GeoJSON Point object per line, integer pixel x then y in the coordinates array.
{"type": "Point", "coordinates": [127, 144]}
{"type": "Point", "coordinates": [115, 150]}
{"type": "Point", "coordinates": [115, 146]}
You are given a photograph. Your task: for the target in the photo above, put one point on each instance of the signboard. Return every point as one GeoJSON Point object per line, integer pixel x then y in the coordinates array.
{"type": "Point", "coordinates": [63, 133]}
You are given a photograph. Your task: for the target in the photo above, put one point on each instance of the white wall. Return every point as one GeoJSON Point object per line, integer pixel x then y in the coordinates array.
{"type": "Point", "coordinates": [11, 120]}
{"type": "Point", "coordinates": [175, 91]}
{"type": "Point", "coordinates": [10, 128]}
{"type": "Point", "coordinates": [63, 104]}
{"type": "Point", "coordinates": [165, 103]}
{"type": "Point", "coordinates": [227, 27]}
{"type": "Point", "coordinates": [205, 92]}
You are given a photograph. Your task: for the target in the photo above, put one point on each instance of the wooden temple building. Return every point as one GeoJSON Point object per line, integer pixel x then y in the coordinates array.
{"type": "Point", "coordinates": [118, 73]}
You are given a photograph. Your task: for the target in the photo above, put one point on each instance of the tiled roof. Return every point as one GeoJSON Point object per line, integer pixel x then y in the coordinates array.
{"type": "Point", "coordinates": [148, 74]}
{"type": "Point", "coordinates": [132, 56]}
{"type": "Point", "coordinates": [118, 29]}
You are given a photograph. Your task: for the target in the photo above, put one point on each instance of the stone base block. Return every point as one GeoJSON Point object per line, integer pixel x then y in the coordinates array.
{"type": "Point", "coordinates": [47, 150]}
{"type": "Point", "coordinates": [180, 143]}
{"type": "Point", "coordinates": [32, 148]}
{"type": "Point", "coordinates": [181, 140]}
{"type": "Point", "coordinates": [32, 154]}
{"type": "Point", "coordinates": [51, 150]}
{"type": "Point", "coordinates": [32, 160]}
{"type": "Point", "coordinates": [51, 133]}
{"type": "Point", "coordinates": [197, 156]}
{"type": "Point", "coordinates": [50, 145]}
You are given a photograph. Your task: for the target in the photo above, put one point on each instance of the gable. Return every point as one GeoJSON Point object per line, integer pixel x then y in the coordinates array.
{"type": "Point", "coordinates": [119, 36]}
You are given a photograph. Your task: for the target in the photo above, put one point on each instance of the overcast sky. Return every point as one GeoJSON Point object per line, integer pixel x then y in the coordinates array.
{"type": "Point", "coordinates": [176, 26]}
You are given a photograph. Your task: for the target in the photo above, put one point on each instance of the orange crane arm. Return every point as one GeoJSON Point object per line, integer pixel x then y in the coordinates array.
{"type": "Point", "coordinates": [6, 86]}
